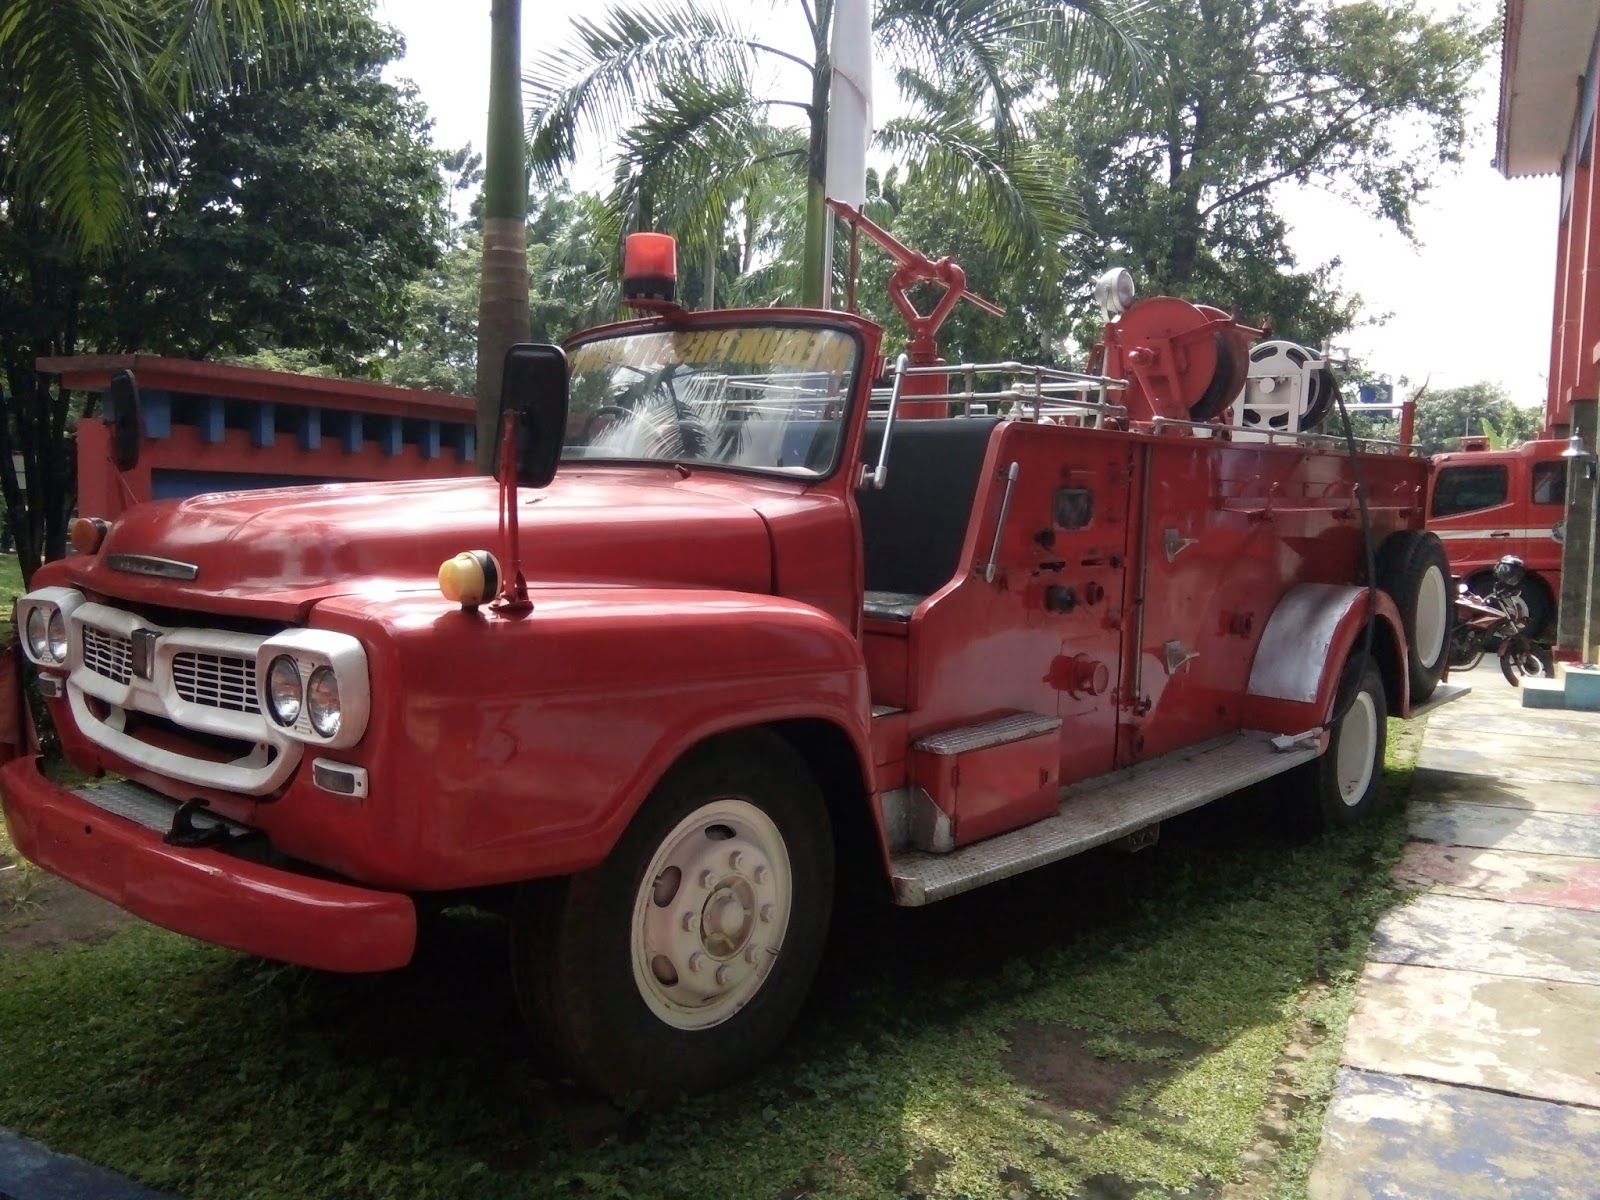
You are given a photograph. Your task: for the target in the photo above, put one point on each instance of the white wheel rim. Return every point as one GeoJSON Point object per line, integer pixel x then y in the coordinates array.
{"type": "Point", "coordinates": [1358, 744]}
{"type": "Point", "coordinates": [1432, 611]}
{"type": "Point", "coordinates": [710, 914]}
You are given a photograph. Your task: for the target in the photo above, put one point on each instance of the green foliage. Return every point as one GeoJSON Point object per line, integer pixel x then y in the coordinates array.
{"type": "Point", "coordinates": [1446, 416]}
{"type": "Point", "coordinates": [1364, 99]}
{"type": "Point", "coordinates": [288, 211]}
{"type": "Point", "coordinates": [93, 92]}
{"type": "Point", "coordinates": [679, 85]}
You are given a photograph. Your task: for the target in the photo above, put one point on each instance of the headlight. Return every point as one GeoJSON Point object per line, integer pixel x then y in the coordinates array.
{"type": "Point", "coordinates": [56, 635]}
{"type": "Point", "coordinates": [38, 634]}
{"type": "Point", "coordinates": [284, 693]}
{"type": "Point", "coordinates": [322, 701]}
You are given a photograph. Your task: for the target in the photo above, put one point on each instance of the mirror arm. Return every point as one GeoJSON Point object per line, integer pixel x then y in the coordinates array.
{"type": "Point", "coordinates": [513, 586]}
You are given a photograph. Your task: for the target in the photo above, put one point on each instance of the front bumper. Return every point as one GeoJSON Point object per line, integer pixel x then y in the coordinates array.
{"type": "Point", "coordinates": [107, 841]}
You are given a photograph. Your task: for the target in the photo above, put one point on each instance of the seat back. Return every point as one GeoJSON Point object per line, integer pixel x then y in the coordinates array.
{"type": "Point", "coordinates": [911, 530]}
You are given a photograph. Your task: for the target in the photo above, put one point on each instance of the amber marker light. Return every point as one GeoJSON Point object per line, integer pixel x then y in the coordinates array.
{"type": "Point", "coordinates": [470, 578]}
{"type": "Point", "coordinates": [650, 267]}
{"type": "Point", "coordinates": [87, 533]}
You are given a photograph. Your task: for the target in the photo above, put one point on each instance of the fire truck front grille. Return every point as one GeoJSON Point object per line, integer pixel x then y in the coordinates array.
{"type": "Point", "coordinates": [216, 680]}
{"type": "Point", "coordinates": [107, 654]}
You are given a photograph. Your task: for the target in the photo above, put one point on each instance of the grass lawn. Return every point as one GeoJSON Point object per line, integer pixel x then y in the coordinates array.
{"type": "Point", "coordinates": [1157, 1025]}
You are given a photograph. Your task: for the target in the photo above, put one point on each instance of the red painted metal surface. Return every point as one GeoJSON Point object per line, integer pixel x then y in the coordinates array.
{"type": "Point", "coordinates": [205, 893]}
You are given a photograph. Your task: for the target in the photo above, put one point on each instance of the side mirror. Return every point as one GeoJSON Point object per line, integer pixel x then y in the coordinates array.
{"type": "Point", "coordinates": [534, 386]}
{"type": "Point", "coordinates": [123, 395]}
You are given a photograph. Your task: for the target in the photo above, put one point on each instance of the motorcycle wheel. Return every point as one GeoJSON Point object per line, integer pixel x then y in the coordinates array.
{"type": "Point", "coordinates": [1522, 659]}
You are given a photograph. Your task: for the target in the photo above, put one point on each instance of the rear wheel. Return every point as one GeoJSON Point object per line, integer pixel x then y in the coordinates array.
{"type": "Point", "coordinates": [679, 963]}
{"type": "Point", "coordinates": [1342, 786]}
{"type": "Point", "coordinates": [1413, 569]}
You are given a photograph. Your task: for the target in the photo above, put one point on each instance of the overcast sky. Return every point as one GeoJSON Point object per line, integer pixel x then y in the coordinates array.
{"type": "Point", "coordinates": [1472, 301]}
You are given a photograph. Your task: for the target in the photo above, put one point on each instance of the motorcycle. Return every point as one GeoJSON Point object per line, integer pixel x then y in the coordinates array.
{"type": "Point", "coordinates": [1498, 623]}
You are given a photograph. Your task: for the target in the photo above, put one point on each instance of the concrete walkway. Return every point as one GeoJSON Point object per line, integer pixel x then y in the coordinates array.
{"type": "Point", "coordinates": [1472, 1063]}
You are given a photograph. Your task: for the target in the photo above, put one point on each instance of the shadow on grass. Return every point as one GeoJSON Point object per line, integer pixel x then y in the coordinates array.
{"type": "Point", "coordinates": [1080, 1030]}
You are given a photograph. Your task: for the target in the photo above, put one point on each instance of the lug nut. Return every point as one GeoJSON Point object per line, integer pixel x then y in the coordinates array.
{"type": "Point", "coordinates": [735, 860]}
{"type": "Point", "coordinates": [767, 912]}
{"type": "Point", "coordinates": [706, 880]}
{"type": "Point", "coordinates": [761, 874]}
{"type": "Point", "coordinates": [723, 975]}
{"type": "Point", "coordinates": [752, 954]}
{"type": "Point", "coordinates": [696, 961]}
{"type": "Point", "coordinates": [688, 921]}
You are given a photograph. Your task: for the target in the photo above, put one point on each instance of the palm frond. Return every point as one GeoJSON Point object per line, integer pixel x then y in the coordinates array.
{"type": "Point", "coordinates": [196, 55]}
{"type": "Point", "coordinates": [1019, 197]}
{"type": "Point", "coordinates": [617, 64]}
{"type": "Point", "coordinates": [76, 72]}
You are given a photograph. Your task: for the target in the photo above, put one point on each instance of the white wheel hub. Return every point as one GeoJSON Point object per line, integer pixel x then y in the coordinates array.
{"type": "Point", "coordinates": [1433, 612]}
{"type": "Point", "coordinates": [1358, 749]}
{"type": "Point", "coordinates": [710, 914]}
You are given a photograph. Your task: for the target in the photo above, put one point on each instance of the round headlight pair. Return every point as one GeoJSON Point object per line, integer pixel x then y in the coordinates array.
{"type": "Point", "coordinates": [47, 635]}
{"type": "Point", "coordinates": [319, 696]}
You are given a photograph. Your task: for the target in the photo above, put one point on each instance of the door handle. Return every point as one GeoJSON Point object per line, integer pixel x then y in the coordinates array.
{"type": "Point", "coordinates": [1501, 533]}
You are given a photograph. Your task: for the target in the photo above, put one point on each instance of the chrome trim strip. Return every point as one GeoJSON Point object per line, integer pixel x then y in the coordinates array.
{"type": "Point", "coordinates": [149, 564]}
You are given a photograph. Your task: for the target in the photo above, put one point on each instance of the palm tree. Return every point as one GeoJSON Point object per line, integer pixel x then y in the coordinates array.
{"type": "Point", "coordinates": [503, 290]}
{"type": "Point", "coordinates": [96, 87]}
{"type": "Point", "coordinates": [680, 81]}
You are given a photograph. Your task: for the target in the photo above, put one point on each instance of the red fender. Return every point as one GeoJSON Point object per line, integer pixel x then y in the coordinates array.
{"type": "Point", "coordinates": [1313, 631]}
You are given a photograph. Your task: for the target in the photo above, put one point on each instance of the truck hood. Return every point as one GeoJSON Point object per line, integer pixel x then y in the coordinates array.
{"type": "Point", "coordinates": [272, 553]}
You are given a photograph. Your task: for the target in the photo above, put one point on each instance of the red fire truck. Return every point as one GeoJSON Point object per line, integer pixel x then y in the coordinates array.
{"type": "Point", "coordinates": [1488, 503]}
{"type": "Point", "coordinates": [746, 603]}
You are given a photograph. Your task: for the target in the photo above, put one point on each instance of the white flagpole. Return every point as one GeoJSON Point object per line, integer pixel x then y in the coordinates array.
{"type": "Point", "coordinates": [849, 118]}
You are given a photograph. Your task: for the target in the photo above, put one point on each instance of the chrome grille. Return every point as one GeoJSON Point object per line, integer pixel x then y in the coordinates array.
{"type": "Point", "coordinates": [216, 680]}
{"type": "Point", "coordinates": [108, 654]}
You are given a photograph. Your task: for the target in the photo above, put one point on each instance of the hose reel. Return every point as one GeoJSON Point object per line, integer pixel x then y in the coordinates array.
{"type": "Point", "coordinates": [1289, 389]}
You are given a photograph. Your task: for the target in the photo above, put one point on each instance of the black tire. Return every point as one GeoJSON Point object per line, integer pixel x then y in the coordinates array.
{"type": "Point", "coordinates": [574, 944]}
{"type": "Point", "coordinates": [1413, 569]}
{"type": "Point", "coordinates": [1541, 607]}
{"type": "Point", "coordinates": [1523, 659]}
{"type": "Point", "coordinates": [1327, 793]}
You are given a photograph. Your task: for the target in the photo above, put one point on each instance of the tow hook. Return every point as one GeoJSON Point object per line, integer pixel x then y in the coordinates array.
{"type": "Point", "coordinates": [186, 834]}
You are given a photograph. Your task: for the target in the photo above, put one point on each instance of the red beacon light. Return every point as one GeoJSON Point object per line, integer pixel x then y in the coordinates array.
{"type": "Point", "coordinates": [650, 271]}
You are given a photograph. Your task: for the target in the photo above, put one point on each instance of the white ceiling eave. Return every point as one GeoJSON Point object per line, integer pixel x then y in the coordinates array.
{"type": "Point", "coordinates": [1543, 57]}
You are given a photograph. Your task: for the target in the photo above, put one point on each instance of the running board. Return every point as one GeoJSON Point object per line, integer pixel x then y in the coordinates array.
{"type": "Point", "coordinates": [1096, 812]}
{"type": "Point", "coordinates": [1442, 694]}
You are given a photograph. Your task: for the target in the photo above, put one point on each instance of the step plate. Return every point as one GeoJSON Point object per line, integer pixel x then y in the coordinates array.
{"type": "Point", "coordinates": [1096, 813]}
{"type": "Point", "coordinates": [136, 803]}
{"type": "Point", "coordinates": [1442, 695]}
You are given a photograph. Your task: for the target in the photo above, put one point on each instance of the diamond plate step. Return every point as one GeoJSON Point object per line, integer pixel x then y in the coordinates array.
{"type": "Point", "coordinates": [991, 733]}
{"type": "Point", "coordinates": [151, 809]}
{"type": "Point", "coordinates": [1096, 812]}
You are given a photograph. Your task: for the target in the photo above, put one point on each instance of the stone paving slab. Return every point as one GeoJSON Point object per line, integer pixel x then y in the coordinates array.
{"type": "Point", "coordinates": [1493, 762]}
{"type": "Point", "coordinates": [1492, 827]}
{"type": "Point", "coordinates": [1494, 720]}
{"type": "Point", "coordinates": [1540, 795]}
{"type": "Point", "coordinates": [1529, 1037]}
{"type": "Point", "coordinates": [1416, 1140]}
{"type": "Point", "coordinates": [1453, 870]}
{"type": "Point", "coordinates": [1516, 748]}
{"type": "Point", "coordinates": [28, 1171]}
{"type": "Point", "coordinates": [1527, 940]}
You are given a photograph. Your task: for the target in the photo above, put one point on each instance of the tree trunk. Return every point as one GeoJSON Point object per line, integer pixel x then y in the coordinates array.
{"type": "Point", "coordinates": [817, 214]}
{"type": "Point", "coordinates": [503, 293]}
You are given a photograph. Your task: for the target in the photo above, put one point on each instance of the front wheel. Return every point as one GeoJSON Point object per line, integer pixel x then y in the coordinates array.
{"type": "Point", "coordinates": [1522, 659]}
{"type": "Point", "coordinates": [680, 962]}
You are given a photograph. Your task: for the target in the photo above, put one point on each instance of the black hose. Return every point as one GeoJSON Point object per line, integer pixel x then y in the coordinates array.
{"type": "Point", "coordinates": [1372, 558]}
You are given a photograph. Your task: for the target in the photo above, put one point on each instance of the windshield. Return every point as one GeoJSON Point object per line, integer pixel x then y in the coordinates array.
{"type": "Point", "coordinates": [761, 397]}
